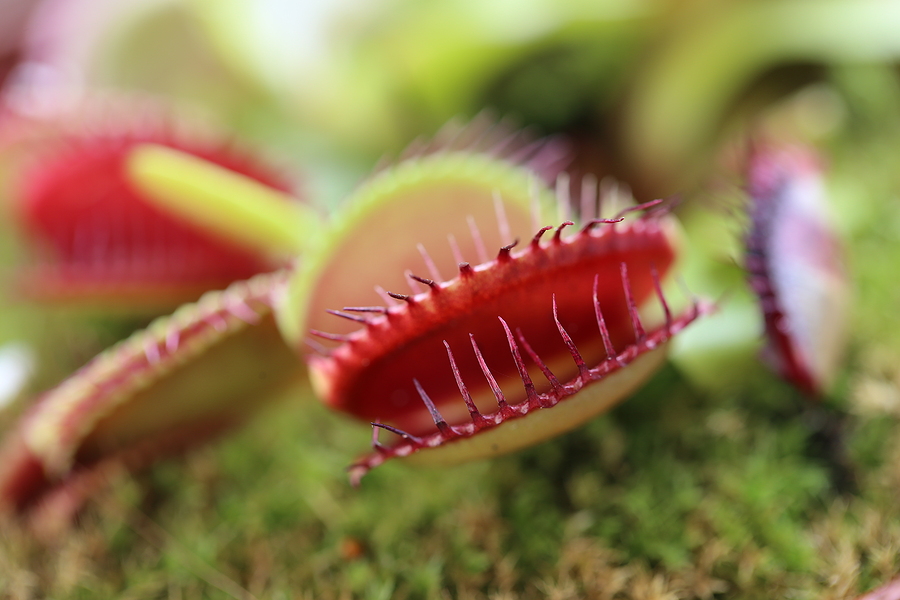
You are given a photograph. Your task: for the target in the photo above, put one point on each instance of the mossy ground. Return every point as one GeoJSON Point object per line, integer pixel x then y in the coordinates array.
{"type": "Point", "coordinates": [673, 495]}
{"type": "Point", "coordinates": [678, 493]}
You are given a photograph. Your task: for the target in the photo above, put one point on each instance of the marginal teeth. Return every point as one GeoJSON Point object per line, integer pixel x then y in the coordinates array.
{"type": "Point", "coordinates": [576, 356]}
{"type": "Point", "coordinates": [446, 432]}
{"type": "Point", "coordinates": [601, 324]}
{"type": "Point", "coordinates": [349, 317]}
{"type": "Point", "coordinates": [519, 403]}
{"type": "Point", "coordinates": [439, 421]}
{"type": "Point", "coordinates": [536, 240]}
{"type": "Point", "coordinates": [477, 417]}
{"type": "Point", "coordinates": [505, 409]}
{"type": "Point", "coordinates": [376, 444]}
{"type": "Point", "coordinates": [429, 282]}
{"type": "Point", "coordinates": [530, 393]}
{"type": "Point", "coordinates": [554, 382]}
{"type": "Point", "coordinates": [413, 282]}
{"type": "Point", "coordinates": [594, 222]}
{"type": "Point", "coordinates": [504, 254]}
{"type": "Point", "coordinates": [334, 337]}
{"type": "Point", "coordinates": [639, 333]}
{"type": "Point", "coordinates": [385, 296]}
{"type": "Point", "coordinates": [405, 297]}
{"type": "Point", "coordinates": [642, 208]}
{"type": "Point", "coordinates": [465, 270]}
{"type": "Point", "coordinates": [662, 299]}
{"type": "Point", "coordinates": [557, 235]}
{"type": "Point", "coordinates": [534, 399]}
{"type": "Point", "coordinates": [396, 431]}
{"type": "Point", "coordinates": [367, 309]}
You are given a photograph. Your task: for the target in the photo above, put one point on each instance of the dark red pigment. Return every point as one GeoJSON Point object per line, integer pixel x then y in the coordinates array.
{"type": "Point", "coordinates": [371, 374]}
{"type": "Point", "coordinates": [94, 234]}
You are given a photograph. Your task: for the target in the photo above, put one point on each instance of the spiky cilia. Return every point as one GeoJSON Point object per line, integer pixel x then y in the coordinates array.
{"type": "Point", "coordinates": [213, 362]}
{"type": "Point", "coordinates": [569, 304]}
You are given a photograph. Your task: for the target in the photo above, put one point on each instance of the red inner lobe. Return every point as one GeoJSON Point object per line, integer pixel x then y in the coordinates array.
{"type": "Point", "coordinates": [376, 382]}
{"type": "Point", "coordinates": [94, 230]}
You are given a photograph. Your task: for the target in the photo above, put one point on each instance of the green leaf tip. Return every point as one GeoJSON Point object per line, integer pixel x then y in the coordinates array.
{"type": "Point", "coordinates": [222, 201]}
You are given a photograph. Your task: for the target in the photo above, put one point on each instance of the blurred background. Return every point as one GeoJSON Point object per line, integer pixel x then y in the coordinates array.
{"type": "Point", "coordinates": [713, 491]}
{"type": "Point", "coordinates": [648, 90]}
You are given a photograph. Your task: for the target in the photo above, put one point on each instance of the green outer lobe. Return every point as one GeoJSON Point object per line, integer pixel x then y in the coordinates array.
{"type": "Point", "coordinates": [124, 396]}
{"type": "Point", "coordinates": [418, 201]}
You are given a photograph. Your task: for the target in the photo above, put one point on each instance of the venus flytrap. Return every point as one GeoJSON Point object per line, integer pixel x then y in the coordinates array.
{"type": "Point", "coordinates": [795, 262]}
{"type": "Point", "coordinates": [94, 237]}
{"type": "Point", "coordinates": [212, 363]}
{"type": "Point", "coordinates": [185, 378]}
{"type": "Point", "coordinates": [111, 246]}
